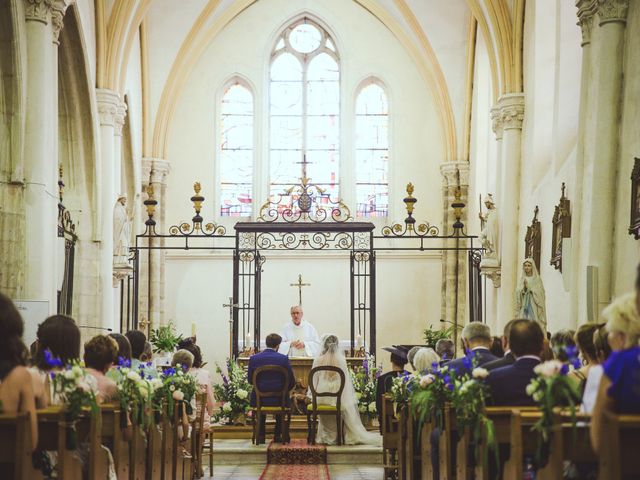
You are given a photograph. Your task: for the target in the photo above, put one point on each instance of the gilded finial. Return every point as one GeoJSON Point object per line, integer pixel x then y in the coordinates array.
{"type": "Point", "coordinates": [197, 200]}
{"type": "Point", "coordinates": [410, 201]}
{"type": "Point", "coordinates": [60, 184]}
{"type": "Point", "coordinates": [150, 204]}
{"type": "Point", "coordinates": [410, 188]}
{"type": "Point", "coordinates": [196, 188]}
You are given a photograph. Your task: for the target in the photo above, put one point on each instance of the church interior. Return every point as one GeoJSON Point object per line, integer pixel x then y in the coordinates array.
{"type": "Point", "coordinates": [431, 209]}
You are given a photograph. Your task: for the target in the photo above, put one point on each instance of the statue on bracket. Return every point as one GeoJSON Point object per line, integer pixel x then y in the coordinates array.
{"type": "Point", "coordinates": [121, 232]}
{"type": "Point", "coordinates": [490, 234]}
{"type": "Point", "coordinates": [561, 229]}
{"type": "Point", "coordinates": [530, 297]}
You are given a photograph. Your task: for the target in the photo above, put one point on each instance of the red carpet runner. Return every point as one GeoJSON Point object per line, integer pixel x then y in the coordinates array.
{"type": "Point", "coordinates": [296, 461]}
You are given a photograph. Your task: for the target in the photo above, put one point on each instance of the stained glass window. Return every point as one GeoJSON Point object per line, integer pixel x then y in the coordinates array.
{"type": "Point", "coordinates": [304, 109]}
{"type": "Point", "coordinates": [236, 152]}
{"type": "Point", "coordinates": [372, 151]}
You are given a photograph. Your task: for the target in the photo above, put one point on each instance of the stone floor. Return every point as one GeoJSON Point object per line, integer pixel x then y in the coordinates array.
{"type": "Point", "coordinates": [252, 472]}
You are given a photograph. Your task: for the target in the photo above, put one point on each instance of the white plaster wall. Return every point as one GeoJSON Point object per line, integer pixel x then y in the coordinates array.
{"type": "Point", "coordinates": [407, 287]}
{"type": "Point", "coordinates": [552, 63]}
{"type": "Point", "coordinates": [627, 250]}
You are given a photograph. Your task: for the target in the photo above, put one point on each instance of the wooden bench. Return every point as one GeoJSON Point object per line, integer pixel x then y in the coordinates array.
{"type": "Point", "coordinates": [408, 451]}
{"type": "Point", "coordinates": [16, 447]}
{"type": "Point", "coordinates": [620, 445]}
{"type": "Point", "coordinates": [390, 438]}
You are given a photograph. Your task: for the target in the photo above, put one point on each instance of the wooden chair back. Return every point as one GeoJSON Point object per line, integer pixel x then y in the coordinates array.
{"type": "Point", "coordinates": [281, 395]}
{"type": "Point", "coordinates": [315, 393]}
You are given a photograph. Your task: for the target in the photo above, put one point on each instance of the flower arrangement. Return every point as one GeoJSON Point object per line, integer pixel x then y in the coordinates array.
{"type": "Point", "coordinates": [136, 392]}
{"type": "Point", "coordinates": [402, 388]}
{"type": "Point", "coordinates": [434, 390]}
{"type": "Point", "coordinates": [233, 393]}
{"type": "Point", "coordinates": [177, 386]}
{"type": "Point", "coordinates": [468, 399]}
{"type": "Point", "coordinates": [552, 388]}
{"type": "Point", "coordinates": [72, 385]}
{"type": "Point", "coordinates": [165, 338]}
{"type": "Point", "coordinates": [431, 336]}
{"type": "Point", "coordinates": [364, 382]}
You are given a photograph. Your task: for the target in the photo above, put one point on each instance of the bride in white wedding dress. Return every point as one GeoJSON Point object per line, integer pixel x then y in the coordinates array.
{"type": "Point", "coordinates": [354, 431]}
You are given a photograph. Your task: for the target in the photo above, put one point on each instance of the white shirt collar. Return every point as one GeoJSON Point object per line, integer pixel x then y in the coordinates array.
{"type": "Point", "coordinates": [528, 356]}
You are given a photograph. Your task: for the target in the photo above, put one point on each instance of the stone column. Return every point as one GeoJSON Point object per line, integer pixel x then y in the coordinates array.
{"type": "Point", "coordinates": [586, 12]}
{"type": "Point", "coordinates": [454, 264]}
{"type": "Point", "coordinates": [511, 107]}
{"type": "Point", "coordinates": [599, 213]}
{"type": "Point", "coordinates": [40, 169]}
{"type": "Point", "coordinates": [108, 102]}
{"type": "Point", "coordinates": [117, 148]}
{"type": "Point", "coordinates": [158, 170]}
{"type": "Point", "coordinates": [498, 129]}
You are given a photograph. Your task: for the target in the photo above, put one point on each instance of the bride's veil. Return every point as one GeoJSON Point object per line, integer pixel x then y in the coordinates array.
{"type": "Point", "coordinates": [332, 355]}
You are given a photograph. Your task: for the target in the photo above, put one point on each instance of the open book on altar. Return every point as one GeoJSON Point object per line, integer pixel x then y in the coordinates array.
{"type": "Point", "coordinates": [345, 346]}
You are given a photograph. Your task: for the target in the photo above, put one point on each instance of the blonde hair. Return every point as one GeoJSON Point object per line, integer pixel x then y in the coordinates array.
{"type": "Point", "coordinates": [622, 316]}
{"type": "Point", "coordinates": [424, 359]}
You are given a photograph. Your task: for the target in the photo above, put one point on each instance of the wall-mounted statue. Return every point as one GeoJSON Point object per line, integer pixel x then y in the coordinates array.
{"type": "Point", "coordinates": [530, 296]}
{"type": "Point", "coordinates": [121, 232]}
{"type": "Point", "coordinates": [490, 234]}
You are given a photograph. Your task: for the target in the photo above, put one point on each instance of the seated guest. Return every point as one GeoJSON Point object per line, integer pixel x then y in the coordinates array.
{"type": "Point", "coordinates": [270, 381]}
{"type": "Point", "coordinates": [476, 339]}
{"type": "Point", "coordinates": [411, 354]}
{"type": "Point", "coordinates": [100, 353]}
{"type": "Point", "coordinates": [124, 347]}
{"type": "Point", "coordinates": [507, 358]}
{"type": "Point", "coordinates": [603, 351]}
{"type": "Point", "coordinates": [559, 341]}
{"type": "Point", "coordinates": [137, 339]}
{"type": "Point", "coordinates": [147, 353]}
{"type": "Point", "coordinates": [496, 347]}
{"type": "Point", "coordinates": [445, 350]}
{"type": "Point", "coordinates": [398, 362]}
{"type": "Point", "coordinates": [424, 360]}
{"type": "Point", "coordinates": [203, 377]}
{"type": "Point", "coordinates": [587, 350]}
{"type": "Point", "coordinates": [507, 385]}
{"type": "Point", "coordinates": [59, 335]}
{"type": "Point", "coordinates": [184, 358]}
{"type": "Point", "coordinates": [620, 385]}
{"type": "Point", "coordinates": [16, 386]}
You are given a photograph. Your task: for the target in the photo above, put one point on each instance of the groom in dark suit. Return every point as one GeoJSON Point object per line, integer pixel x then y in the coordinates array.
{"type": "Point", "coordinates": [270, 381]}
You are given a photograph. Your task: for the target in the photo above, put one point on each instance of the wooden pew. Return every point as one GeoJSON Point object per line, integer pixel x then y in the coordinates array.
{"type": "Point", "coordinates": [446, 444]}
{"type": "Point", "coordinates": [15, 448]}
{"type": "Point", "coordinates": [390, 438]}
{"type": "Point", "coordinates": [154, 448]}
{"type": "Point", "coordinates": [425, 451]}
{"type": "Point", "coordinates": [620, 446]}
{"type": "Point", "coordinates": [89, 431]}
{"type": "Point", "coordinates": [115, 437]}
{"type": "Point", "coordinates": [169, 437]}
{"type": "Point", "coordinates": [52, 433]}
{"type": "Point", "coordinates": [138, 453]}
{"type": "Point", "coordinates": [409, 453]}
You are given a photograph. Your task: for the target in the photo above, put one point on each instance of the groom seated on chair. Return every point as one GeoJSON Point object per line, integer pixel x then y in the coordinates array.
{"type": "Point", "coordinates": [270, 381]}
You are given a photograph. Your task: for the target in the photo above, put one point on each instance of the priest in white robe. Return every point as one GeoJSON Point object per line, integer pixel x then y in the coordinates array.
{"type": "Point", "coordinates": [299, 337]}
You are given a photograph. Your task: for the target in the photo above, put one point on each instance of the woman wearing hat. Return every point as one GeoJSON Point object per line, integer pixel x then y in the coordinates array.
{"type": "Point", "coordinates": [398, 361]}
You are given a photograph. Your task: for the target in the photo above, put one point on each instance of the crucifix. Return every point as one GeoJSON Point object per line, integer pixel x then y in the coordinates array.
{"type": "Point", "coordinates": [300, 285]}
{"type": "Point", "coordinates": [230, 306]}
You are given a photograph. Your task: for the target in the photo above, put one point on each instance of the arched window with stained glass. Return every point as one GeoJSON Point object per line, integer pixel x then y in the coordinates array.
{"type": "Point", "coordinates": [372, 150]}
{"type": "Point", "coordinates": [304, 109]}
{"type": "Point", "coordinates": [236, 149]}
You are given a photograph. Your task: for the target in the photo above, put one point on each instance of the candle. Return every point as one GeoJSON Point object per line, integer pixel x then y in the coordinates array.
{"type": "Point", "coordinates": [249, 338]}
{"type": "Point", "coordinates": [193, 329]}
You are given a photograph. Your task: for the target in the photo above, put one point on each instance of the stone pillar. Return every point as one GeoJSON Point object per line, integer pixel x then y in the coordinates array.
{"type": "Point", "coordinates": [108, 102]}
{"type": "Point", "coordinates": [511, 107]}
{"type": "Point", "coordinates": [586, 12]}
{"type": "Point", "coordinates": [40, 169]}
{"type": "Point", "coordinates": [498, 129]}
{"type": "Point", "coordinates": [117, 149]}
{"type": "Point", "coordinates": [158, 170]}
{"type": "Point", "coordinates": [599, 211]}
{"type": "Point", "coordinates": [454, 264]}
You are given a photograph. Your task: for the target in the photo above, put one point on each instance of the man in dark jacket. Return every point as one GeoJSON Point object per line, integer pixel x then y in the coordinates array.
{"type": "Point", "coordinates": [476, 339]}
{"type": "Point", "coordinates": [508, 384]}
{"type": "Point", "coordinates": [270, 381]}
{"type": "Point", "coordinates": [508, 358]}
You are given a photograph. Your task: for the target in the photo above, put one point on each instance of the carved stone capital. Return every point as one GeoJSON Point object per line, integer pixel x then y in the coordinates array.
{"type": "Point", "coordinates": [613, 11]}
{"type": "Point", "coordinates": [450, 172]}
{"type": "Point", "coordinates": [511, 106]}
{"type": "Point", "coordinates": [58, 10]}
{"type": "Point", "coordinates": [491, 271]}
{"type": "Point", "coordinates": [37, 10]}
{"type": "Point", "coordinates": [497, 125]}
{"type": "Point", "coordinates": [108, 102]}
{"type": "Point", "coordinates": [121, 113]}
{"type": "Point", "coordinates": [586, 11]}
{"type": "Point", "coordinates": [154, 171]}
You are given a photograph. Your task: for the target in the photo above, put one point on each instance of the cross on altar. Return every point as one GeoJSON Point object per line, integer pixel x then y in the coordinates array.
{"type": "Point", "coordinates": [230, 306]}
{"type": "Point", "coordinates": [300, 285]}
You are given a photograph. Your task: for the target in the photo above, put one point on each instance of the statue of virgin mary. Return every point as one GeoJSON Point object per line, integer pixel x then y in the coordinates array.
{"type": "Point", "coordinates": [530, 297]}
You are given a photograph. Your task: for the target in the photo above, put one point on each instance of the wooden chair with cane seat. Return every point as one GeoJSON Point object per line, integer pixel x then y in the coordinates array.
{"type": "Point", "coordinates": [283, 410]}
{"type": "Point", "coordinates": [313, 409]}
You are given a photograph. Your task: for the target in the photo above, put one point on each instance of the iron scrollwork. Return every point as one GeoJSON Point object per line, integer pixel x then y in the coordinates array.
{"type": "Point", "coordinates": [196, 227]}
{"type": "Point", "coordinates": [305, 205]}
{"type": "Point", "coordinates": [312, 240]}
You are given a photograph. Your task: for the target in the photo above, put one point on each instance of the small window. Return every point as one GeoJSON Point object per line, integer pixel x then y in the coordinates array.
{"type": "Point", "coordinates": [236, 152]}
